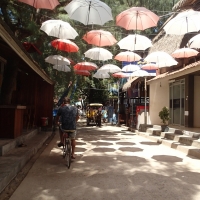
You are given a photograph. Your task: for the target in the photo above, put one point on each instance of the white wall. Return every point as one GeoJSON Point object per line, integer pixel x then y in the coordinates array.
{"type": "Point", "coordinates": [159, 97]}
{"type": "Point", "coordinates": [196, 101]}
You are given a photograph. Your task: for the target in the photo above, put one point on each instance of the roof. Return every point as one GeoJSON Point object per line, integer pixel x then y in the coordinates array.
{"type": "Point", "coordinates": [8, 36]}
{"type": "Point", "coordinates": [128, 83]}
{"type": "Point", "coordinates": [191, 68]}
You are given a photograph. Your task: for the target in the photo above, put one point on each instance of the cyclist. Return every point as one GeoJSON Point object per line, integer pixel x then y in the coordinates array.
{"type": "Point", "coordinates": [68, 115]}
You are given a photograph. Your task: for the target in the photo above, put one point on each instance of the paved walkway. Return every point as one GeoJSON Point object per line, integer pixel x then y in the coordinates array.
{"type": "Point", "coordinates": [112, 163]}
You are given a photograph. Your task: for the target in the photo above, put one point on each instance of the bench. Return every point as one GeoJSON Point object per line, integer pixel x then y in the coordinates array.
{"type": "Point", "coordinates": [171, 133]}
{"type": "Point", "coordinates": [155, 130]}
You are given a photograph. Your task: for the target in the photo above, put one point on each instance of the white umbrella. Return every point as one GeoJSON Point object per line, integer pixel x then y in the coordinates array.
{"type": "Point", "coordinates": [185, 22]}
{"type": "Point", "coordinates": [130, 68]}
{"type": "Point", "coordinates": [128, 56]}
{"type": "Point", "coordinates": [110, 68]}
{"type": "Point", "coordinates": [63, 68]}
{"type": "Point", "coordinates": [59, 29]}
{"type": "Point", "coordinates": [101, 75]}
{"type": "Point", "coordinates": [98, 53]}
{"type": "Point", "coordinates": [194, 42]}
{"type": "Point", "coordinates": [57, 60]}
{"type": "Point", "coordinates": [161, 58]}
{"type": "Point", "coordinates": [135, 42]}
{"type": "Point", "coordinates": [89, 11]}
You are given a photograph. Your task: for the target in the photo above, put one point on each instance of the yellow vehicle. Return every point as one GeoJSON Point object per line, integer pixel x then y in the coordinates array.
{"type": "Point", "coordinates": [91, 112]}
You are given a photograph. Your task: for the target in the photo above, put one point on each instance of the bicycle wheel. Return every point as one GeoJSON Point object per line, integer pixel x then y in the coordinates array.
{"type": "Point", "coordinates": [68, 154]}
{"type": "Point", "coordinates": [64, 148]}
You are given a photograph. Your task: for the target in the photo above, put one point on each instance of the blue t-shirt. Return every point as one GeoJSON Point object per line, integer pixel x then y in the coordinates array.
{"type": "Point", "coordinates": [68, 115]}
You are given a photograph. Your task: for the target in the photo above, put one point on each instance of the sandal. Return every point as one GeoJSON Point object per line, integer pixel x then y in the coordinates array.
{"type": "Point", "coordinates": [73, 157]}
{"type": "Point", "coordinates": [60, 144]}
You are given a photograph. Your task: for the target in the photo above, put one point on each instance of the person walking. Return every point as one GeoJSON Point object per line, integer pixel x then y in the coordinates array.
{"type": "Point", "coordinates": [68, 115]}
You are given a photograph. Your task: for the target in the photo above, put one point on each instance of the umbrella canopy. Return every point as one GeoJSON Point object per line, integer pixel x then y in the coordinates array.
{"type": "Point", "coordinates": [89, 11]}
{"type": "Point", "coordinates": [59, 29]}
{"type": "Point", "coordinates": [101, 75]}
{"type": "Point", "coordinates": [130, 68]}
{"type": "Point", "coordinates": [82, 72]}
{"type": "Point", "coordinates": [184, 53]}
{"type": "Point", "coordinates": [137, 18]}
{"type": "Point", "coordinates": [194, 42]}
{"type": "Point", "coordinates": [99, 38]}
{"type": "Point", "coordinates": [150, 66]}
{"type": "Point", "coordinates": [161, 58]}
{"type": "Point", "coordinates": [44, 4]}
{"type": "Point", "coordinates": [65, 45]}
{"type": "Point", "coordinates": [128, 56]}
{"type": "Point", "coordinates": [185, 22]}
{"type": "Point", "coordinates": [57, 60]}
{"type": "Point", "coordinates": [85, 66]}
{"type": "Point", "coordinates": [135, 42]}
{"type": "Point", "coordinates": [140, 73]}
{"type": "Point", "coordinates": [63, 68]}
{"type": "Point", "coordinates": [110, 68]}
{"type": "Point", "coordinates": [120, 75]}
{"type": "Point", "coordinates": [98, 53]}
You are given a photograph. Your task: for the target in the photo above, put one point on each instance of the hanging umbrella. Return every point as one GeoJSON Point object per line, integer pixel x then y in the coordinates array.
{"type": "Point", "coordinates": [89, 11]}
{"type": "Point", "coordinates": [63, 68]}
{"type": "Point", "coordinates": [59, 29]}
{"type": "Point", "coordinates": [150, 66]}
{"type": "Point", "coordinates": [184, 53]}
{"type": "Point", "coordinates": [137, 18]}
{"type": "Point", "coordinates": [161, 58]}
{"type": "Point", "coordinates": [127, 56]}
{"type": "Point", "coordinates": [98, 54]}
{"type": "Point", "coordinates": [57, 60]}
{"type": "Point", "coordinates": [44, 4]}
{"type": "Point", "coordinates": [82, 72]}
{"type": "Point", "coordinates": [109, 68]}
{"type": "Point", "coordinates": [130, 68]}
{"type": "Point", "coordinates": [99, 38]}
{"type": "Point", "coordinates": [65, 45]}
{"type": "Point", "coordinates": [85, 66]}
{"type": "Point", "coordinates": [101, 75]}
{"type": "Point", "coordinates": [135, 42]}
{"type": "Point", "coordinates": [120, 75]}
{"type": "Point", "coordinates": [194, 42]}
{"type": "Point", "coordinates": [185, 22]}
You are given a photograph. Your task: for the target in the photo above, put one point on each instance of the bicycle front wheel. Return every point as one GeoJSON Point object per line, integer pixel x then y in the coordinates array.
{"type": "Point", "coordinates": [68, 154]}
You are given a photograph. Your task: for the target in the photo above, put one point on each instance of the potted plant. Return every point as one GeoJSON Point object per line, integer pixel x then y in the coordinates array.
{"type": "Point", "coordinates": [164, 116]}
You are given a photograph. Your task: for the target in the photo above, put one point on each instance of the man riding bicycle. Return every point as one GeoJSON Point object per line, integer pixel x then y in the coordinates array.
{"type": "Point", "coordinates": [68, 115]}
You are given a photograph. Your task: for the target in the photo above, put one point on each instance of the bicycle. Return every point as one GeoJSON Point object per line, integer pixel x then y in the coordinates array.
{"type": "Point", "coordinates": [67, 147]}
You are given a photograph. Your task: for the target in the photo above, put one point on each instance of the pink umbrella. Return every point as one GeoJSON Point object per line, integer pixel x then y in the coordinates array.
{"type": "Point", "coordinates": [99, 38]}
{"type": "Point", "coordinates": [85, 66]}
{"type": "Point", "coordinates": [82, 72]}
{"type": "Point", "coordinates": [65, 45]}
{"type": "Point", "coordinates": [45, 4]}
{"type": "Point", "coordinates": [150, 66]}
{"type": "Point", "coordinates": [137, 18]}
{"type": "Point", "coordinates": [120, 75]}
{"type": "Point", "coordinates": [127, 56]}
{"type": "Point", "coordinates": [184, 53]}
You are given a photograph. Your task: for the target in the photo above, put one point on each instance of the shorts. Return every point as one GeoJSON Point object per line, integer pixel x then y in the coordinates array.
{"type": "Point", "coordinates": [72, 133]}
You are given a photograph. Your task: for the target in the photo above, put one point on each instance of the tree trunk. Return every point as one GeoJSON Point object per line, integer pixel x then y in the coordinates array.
{"type": "Point", "coordinates": [9, 81]}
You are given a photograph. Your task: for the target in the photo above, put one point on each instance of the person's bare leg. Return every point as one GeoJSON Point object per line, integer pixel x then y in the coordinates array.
{"type": "Point", "coordinates": [73, 147]}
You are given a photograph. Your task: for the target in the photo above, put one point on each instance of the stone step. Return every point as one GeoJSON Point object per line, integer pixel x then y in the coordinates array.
{"type": "Point", "coordinates": [14, 160]}
{"type": "Point", "coordinates": [9, 144]}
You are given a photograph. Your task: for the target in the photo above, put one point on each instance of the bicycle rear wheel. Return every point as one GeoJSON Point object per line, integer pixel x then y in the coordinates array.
{"type": "Point", "coordinates": [68, 154]}
{"type": "Point", "coordinates": [64, 148]}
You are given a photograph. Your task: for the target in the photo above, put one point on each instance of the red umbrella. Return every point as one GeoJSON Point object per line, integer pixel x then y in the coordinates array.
{"type": "Point", "coordinates": [65, 45]}
{"type": "Point", "coordinates": [45, 4]}
{"type": "Point", "coordinates": [82, 72]}
{"type": "Point", "coordinates": [85, 66]}
{"type": "Point", "coordinates": [137, 18]}
{"type": "Point", "coordinates": [150, 66]}
{"type": "Point", "coordinates": [99, 38]}
{"type": "Point", "coordinates": [120, 75]}
{"type": "Point", "coordinates": [184, 53]}
{"type": "Point", "coordinates": [127, 56]}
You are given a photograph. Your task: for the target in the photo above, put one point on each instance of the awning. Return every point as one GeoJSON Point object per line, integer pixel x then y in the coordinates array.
{"type": "Point", "coordinates": [191, 68]}
{"type": "Point", "coordinates": [128, 83]}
